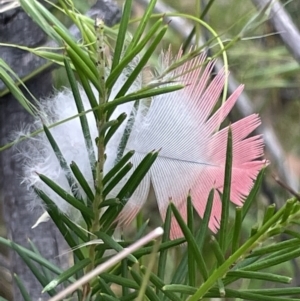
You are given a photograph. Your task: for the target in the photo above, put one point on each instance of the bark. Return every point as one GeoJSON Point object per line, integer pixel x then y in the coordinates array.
{"type": "Point", "coordinates": [16, 27]}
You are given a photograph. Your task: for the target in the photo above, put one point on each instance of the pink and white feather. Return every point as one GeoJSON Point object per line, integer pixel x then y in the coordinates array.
{"type": "Point", "coordinates": [185, 129]}
{"type": "Point", "coordinates": [192, 149]}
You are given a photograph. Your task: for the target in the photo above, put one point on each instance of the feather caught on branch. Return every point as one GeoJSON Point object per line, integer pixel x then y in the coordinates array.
{"type": "Point", "coordinates": [192, 149]}
{"type": "Point", "coordinates": [181, 124]}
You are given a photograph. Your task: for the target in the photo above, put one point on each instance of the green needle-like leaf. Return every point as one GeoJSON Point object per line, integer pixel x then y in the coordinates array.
{"type": "Point", "coordinates": [252, 296]}
{"type": "Point", "coordinates": [14, 89]}
{"type": "Point", "coordinates": [85, 211]}
{"type": "Point", "coordinates": [159, 284]}
{"type": "Point", "coordinates": [269, 262]}
{"type": "Point", "coordinates": [143, 61]}
{"type": "Point", "coordinates": [62, 161]}
{"type": "Point", "coordinates": [180, 288]}
{"type": "Point", "coordinates": [115, 73]}
{"type": "Point", "coordinates": [110, 202]}
{"type": "Point", "coordinates": [148, 291]}
{"type": "Point", "coordinates": [181, 271]}
{"type": "Point", "coordinates": [89, 92]}
{"type": "Point", "coordinates": [138, 174]}
{"type": "Point", "coordinates": [223, 233]}
{"type": "Point", "coordinates": [56, 215]}
{"type": "Point", "coordinates": [275, 291]}
{"type": "Point", "coordinates": [253, 193]}
{"type": "Point", "coordinates": [114, 128]}
{"type": "Point", "coordinates": [33, 268]}
{"type": "Point", "coordinates": [217, 250]}
{"type": "Point", "coordinates": [237, 229]}
{"type": "Point", "coordinates": [201, 235]}
{"type": "Point", "coordinates": [247, 204]}
{"type": "Point", "coordinates": [259, 275]}
{"type": "Point", "coordinates": [82, 181]}
{"type": "Point", "coordinates": [32, 10]}
{"type": "Point", "coordinates": [67, 275]}
{"type": "Point", "coordinates": [82, 68]}
{"type": "Point", "coordinates": [269, 212]}
{"type": "Point", "coordinates": [142, 25]}
{"type": "Point", "coordinates": [68, 39]}
{"type": "Point", "coordinates": [130, 297]}
{"type": "Point", "coordinates": [122, 33]}
{"type": "Point", "coordinates": [288, 210]}
{"type": "Point", "coordinates": [164, 246]}
{"type": "Point", "coordinates": [46, 273]}
{"type": "Point", "coordinates": [78, 231]}
{"type": "Point", "coordinates": [294, 242]}
{"type": "Point", "coordinates": [109, 176]}
{"type": "Point", "coordinates": [125, 274]}
{"type": "Point", "coordinates": [191, 242]}
{"type": "Point", "coordinates": [119, 280]}
{"type": "Point", "coordinates": [83, 119]}
{"type": "Point", "coordinates": [117, 179]}
{"type": "Point", "coordinates": [144, 93]}
{"type": "Point", "coordinates": [105, 287]}
{"type": "Point", "coordinates": [106, 297]}
{"type": "Point", "coordinates": [191, 260]}
{"type": "Point", "coordinates": [22, 289]}
{"type": "Point", "coordinates": [163, 255]}
{"type": "Point", "coordinates": [32, 255]}
{"type": "Point", "coordinates": [114, 245]}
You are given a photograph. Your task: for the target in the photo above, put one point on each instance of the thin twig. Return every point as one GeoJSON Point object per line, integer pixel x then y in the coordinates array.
{"type": "Point", "coordinates": [109, 263]}
{"type": "Point", "coordinates": [283, 24]}
{"type": "Point", "coordinates": [286, 187]}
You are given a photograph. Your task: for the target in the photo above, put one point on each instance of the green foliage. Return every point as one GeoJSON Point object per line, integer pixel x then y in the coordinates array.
{"type": "Point", "coordinates": [233, 257]}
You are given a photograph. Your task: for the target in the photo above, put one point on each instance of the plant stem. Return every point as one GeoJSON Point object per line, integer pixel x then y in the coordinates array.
{"type": "Point", "coordinates": [101, 122]}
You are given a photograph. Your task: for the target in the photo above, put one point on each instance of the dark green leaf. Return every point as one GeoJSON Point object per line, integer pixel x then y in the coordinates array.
{"type": "Point", "coordinates": [159, 284]}
{"type": "Point", "coordinates": [163, 255]}
{"type": "Point", "coordinates": [22, 289]}
{"type": "Point", "coordinates": [117, 179]}
{"type": "Point", "coordinates": [148, 292]}
{"type": "Point", "coordinates": [122, 33]}
{"type": "Point", "coordinates": [259, 275]}
{"type": "Point", "coordinates": [143, 61]}
{"type": "Point", "coordinates": [67, 197]}
{"type": "Point", "coordinates": [205, 221]}
{"type": "Point", "coordinates": [217, 250]}
{"type": "Point", "coordinates": [142, 25]}
{"type": "Point", "coordinates": [191, 242]}
{"type": "Point", "coordinates": [33, 268]}
{"type": "Point", "coordinates": [62, 161]}
{"type": "Point", "coordinates": [67, 275]}
{"type": "Point", "coordinates": [115, 73]}
{"type": "Point", "coordinates": [145, 93]}
{"type": "Point", "coordinates": [114, 128]}
{"type": "Point", "coordinates": [83, 118]}
{"type": "Point", "coordinates": [33, 256]}
{"type": "Point", "coordinates": [237, 229]}
{"type": "Point", "coordinates": [119, 280]}
{"type": "Point", "coordinates": [56, 215]}
{"type": "Point", "coordinates": [82, 181]}
{"type": "Point", "coordinates": [117, 167]}
{"type": "Point", "coordinates": [114, 245]}
{"type": "Point", "coordinates": [223, 232]}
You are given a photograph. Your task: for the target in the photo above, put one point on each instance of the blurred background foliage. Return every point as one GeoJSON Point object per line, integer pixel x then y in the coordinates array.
{"type": "Point", "coordinates": [271, 77]}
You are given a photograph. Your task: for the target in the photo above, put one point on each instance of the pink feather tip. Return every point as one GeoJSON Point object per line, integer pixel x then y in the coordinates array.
{"type": "Point", "coordinates": [193, 149]}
